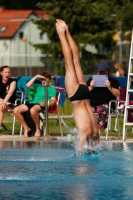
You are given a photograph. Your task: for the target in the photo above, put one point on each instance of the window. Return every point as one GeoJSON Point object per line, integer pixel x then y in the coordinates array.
{"type": "Point", "coordinates": [3, 29]}
{"type": "Point", "coordinates": [21, 35]}
{"type": "Point", "coordinates": [41, 36]}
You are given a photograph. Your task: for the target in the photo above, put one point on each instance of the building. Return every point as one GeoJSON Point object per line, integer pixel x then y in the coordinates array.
{"type": "Point", "coordinates": [17, 33]}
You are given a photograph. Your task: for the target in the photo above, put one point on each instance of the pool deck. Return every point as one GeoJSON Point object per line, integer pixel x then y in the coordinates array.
{"type": "Point", "coordinates": [59, 138]}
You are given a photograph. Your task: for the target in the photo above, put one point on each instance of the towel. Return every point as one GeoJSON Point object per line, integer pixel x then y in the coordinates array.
{"type": "Point", "coordinates": [59, 81]}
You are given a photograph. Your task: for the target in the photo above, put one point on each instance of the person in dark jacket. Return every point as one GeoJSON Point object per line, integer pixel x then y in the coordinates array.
{"type": "Point", "coordinates": [7, 91]}
{"type": "Point", "coordinates": [101, 96]}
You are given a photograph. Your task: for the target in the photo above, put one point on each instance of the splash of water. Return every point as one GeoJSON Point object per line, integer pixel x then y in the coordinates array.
{"type": "Point", "coordinates": [90, 149]}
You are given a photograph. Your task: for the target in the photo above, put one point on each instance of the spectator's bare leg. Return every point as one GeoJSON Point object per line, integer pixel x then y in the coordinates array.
{"type": "Point", "coordinates": [18, 111]}
{"type": "Point", "coordinates": [2, 112]}
{"type": "Point", "coordinates": [1, 117]}
{"type": "Point", "coordinates": [34, 111]}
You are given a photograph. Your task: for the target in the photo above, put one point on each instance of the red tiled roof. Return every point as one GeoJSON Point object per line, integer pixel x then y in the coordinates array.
{"type": "Point", "coordinates": [13, 19]}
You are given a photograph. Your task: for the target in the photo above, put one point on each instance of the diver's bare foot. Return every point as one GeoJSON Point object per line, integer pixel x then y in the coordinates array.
{"type": "Point", "coordinates": [59, 29]}
{"type": "Point", "coordinates": [61, 23]}
{"type": "Point", "coordinates": [37, 134]}
{"type": "Point", "coordinates": [26, 131]}
{"type": "Point", "coordinates": [96, 138]}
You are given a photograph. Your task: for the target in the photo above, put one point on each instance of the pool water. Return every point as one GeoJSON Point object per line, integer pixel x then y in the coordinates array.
{"type": "Point", "coordinates": [52, 171]}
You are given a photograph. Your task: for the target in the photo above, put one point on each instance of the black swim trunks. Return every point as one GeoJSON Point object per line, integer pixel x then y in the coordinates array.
{"type": "Point", "coordinates": [29, 105]}
{"type": "Point", "coordinates": [81, 93]}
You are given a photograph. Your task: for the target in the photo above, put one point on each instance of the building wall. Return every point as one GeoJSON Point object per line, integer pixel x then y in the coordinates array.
{"type": "Point", "coordinates": [17, 52]}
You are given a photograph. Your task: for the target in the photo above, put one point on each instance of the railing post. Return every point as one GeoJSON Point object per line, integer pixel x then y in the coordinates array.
{"type": "Point", "coordinates": [46, 135]}
{"type": "Point", "coordinates": [46, 107]}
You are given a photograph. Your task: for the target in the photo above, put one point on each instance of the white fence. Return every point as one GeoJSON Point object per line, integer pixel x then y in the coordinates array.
{"type": "Point", "coordinates": [28, 64]}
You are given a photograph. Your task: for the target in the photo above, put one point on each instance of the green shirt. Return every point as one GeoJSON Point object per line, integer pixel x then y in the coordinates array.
{"type": "Point", "coordinates": [39, 91]}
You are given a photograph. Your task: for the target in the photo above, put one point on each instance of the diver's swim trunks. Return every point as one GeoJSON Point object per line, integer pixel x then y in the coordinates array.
{"type": "Point", "coordinates": [81, 93]}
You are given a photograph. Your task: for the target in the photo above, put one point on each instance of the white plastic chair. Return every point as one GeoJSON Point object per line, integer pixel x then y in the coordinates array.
{"type": "Point", "coordinates": [111, 114]}
{"type": "Point", "coordinates": [19, 98]}
{"type": "Point", "coordinates": [18, 101]}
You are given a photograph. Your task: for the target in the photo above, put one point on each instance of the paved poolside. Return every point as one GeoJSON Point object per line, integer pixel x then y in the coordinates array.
{"type": "Point", "coordinates": [59, 138]}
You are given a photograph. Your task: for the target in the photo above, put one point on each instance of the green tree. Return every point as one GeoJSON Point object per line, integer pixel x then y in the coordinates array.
{"type": "Point", "coordinates": [126, 17]}
{"type": "Point", "coordinates": [89, 22]}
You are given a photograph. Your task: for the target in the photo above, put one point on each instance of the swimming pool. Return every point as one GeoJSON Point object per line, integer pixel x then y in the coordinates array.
{"type": "Point", "coordinates": [52, 171]}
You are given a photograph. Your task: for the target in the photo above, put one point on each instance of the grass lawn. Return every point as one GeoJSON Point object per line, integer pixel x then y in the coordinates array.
{"type": "Point", "coordinates": [54, 125]}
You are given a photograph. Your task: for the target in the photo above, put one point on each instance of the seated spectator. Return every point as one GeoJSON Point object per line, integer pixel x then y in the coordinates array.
{"type": "Point", "coordinates": [37, 103]}
{"type": "Point", "coordinates": [119, 69]}
{"type": "Point", "coordinates": [7, 91]}
{"type": "Point", "coordinates": [101, 96]}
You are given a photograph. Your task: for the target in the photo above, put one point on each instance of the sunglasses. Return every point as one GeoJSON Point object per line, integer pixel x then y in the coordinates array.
{"type": "Point", "coordinates": [3, 67]}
